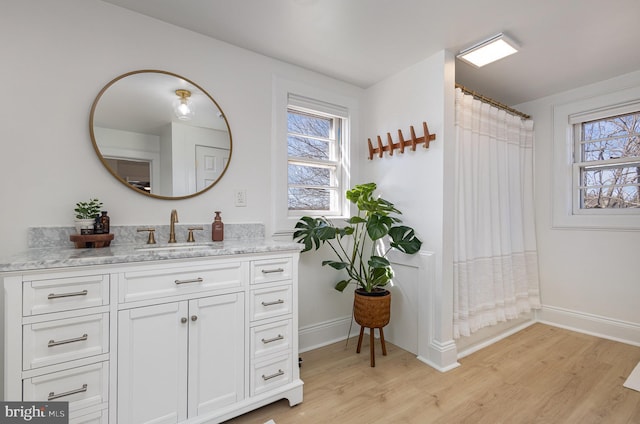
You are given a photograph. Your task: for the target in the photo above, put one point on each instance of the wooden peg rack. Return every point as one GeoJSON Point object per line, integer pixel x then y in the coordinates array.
{"type": "Point", "coordinates": [402, 143]}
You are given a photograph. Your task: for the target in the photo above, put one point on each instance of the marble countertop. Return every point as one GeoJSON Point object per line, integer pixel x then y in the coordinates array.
{"type": "Point", "coordinates": [35, 259]}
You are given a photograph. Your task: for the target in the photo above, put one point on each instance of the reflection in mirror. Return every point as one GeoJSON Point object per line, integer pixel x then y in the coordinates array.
{"type": "Point", "coordinates": [160, 134]}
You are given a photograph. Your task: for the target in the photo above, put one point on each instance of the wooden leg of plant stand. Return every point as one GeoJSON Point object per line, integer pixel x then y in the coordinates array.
{"type": "Point", "coordinates": [372, 347]}
{"type": "Point", "coordinates": [360, 339]}
{"type": "Point", "coordinates": [384, 346]}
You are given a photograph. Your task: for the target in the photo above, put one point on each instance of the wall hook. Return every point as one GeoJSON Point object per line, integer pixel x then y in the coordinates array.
{"type": "Point", "coordinates": [390, 146]}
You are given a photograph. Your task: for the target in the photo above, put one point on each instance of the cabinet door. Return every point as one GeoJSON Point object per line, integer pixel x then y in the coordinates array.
{"type": "Point", "coordinates": [216, 352]}
{"type": "Point", "coordinates": [152, 364]}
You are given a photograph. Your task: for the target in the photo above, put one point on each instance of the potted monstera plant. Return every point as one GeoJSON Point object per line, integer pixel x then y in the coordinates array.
{"type": "Point", "coordinates": [359, 250]}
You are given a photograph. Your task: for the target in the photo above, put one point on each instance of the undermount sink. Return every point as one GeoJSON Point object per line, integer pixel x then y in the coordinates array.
{"type": "Point", "coordinates": [175, 246]}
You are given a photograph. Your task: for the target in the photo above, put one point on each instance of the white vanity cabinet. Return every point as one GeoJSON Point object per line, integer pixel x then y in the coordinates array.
{"type": "Point", "coordinates": [57, 340]}
{"type": "Point", "coordinates": [179, 360]}
{"type": "Point", "coordinates": [188, 340]}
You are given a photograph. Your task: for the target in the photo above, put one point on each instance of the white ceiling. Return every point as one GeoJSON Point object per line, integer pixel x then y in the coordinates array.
{"type": "Point", "coordinates": [564, 43]}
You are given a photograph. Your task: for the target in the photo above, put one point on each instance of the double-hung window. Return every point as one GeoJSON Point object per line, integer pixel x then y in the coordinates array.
{"type": "Point", "coordinates": [316, 134]}
{"type": "Point", "coordinates": [596, 161]}
{"type": "Point", "coordinates": [606, 166]}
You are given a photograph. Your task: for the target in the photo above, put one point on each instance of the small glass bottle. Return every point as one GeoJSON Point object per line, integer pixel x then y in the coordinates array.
{"type": "Point", "coordinates": [217, 228]}
{"type": "Point", "coordinates": [105, 221]}
{"type": "Point", "coordinates": [97, 226]}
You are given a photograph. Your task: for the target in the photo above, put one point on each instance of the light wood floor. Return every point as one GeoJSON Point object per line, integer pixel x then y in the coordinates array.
{"type": "Point", "coordinates": [542, 374]}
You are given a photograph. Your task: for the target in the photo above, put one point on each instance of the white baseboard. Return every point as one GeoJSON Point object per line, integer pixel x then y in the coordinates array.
{"type": "Point", "coordinates": [438, 367]}
{"type": "Point", "coordinates": [325, 333]}
{"type": "Point", "coordinates": [494, 339]}
{"type": "Point", "coordinates": [328, 332]}
{"type": "Point", "coordinates": [594, 325]}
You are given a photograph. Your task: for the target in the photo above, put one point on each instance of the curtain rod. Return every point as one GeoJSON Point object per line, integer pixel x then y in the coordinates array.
{"type": "Point", "coordinates": [492, 102]}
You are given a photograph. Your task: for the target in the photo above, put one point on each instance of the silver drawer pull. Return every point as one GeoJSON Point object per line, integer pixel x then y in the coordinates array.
{"type": "Point", "coordinates": [195, 280]}
{"type": "Point", "coordinates": [57, 296]}
{"type": "Point", "coordinates": [53, 343]}
{"type": "Point", "coordinates": [277, 302]}
{"type": "Point", "coordinates": [275, 339]}
{"type": "Point", "coordinates": [53, 396]}
{"type": "Point", "coordinates": [269, 377]}
{"type": "Point", "coordinates": [271, 271]}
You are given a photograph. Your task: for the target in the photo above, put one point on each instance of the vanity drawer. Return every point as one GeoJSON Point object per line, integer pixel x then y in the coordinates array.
{"type": "Point", "coordinates": [155, 282]}
{"type": "Point", "coordinates": [270, 302]}
{"type": "Point", "coordinates": [269, 270]}
{"type": "Point", "coordinates": [54, 342]}
{"type": "Point", "coordinates": [82, 387]}
{"type": "Point", "coordinates": [268, 374]}
{"type": "Point", "coordinates": [272, 338]}
{"type": "Point", "coordinates": [63, 294]}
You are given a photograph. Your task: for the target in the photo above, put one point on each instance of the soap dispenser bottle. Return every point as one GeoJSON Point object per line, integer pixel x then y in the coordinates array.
{"type": "Point", "coordinates": [217, 228]}
{"type": "Point", "coordinates": [105, 221]}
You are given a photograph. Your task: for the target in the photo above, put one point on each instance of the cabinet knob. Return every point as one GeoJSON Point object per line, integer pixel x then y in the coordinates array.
{"type": "Point", "coordinates": [194, 317]}
{"type": "Point", "coordinates": [183, 320]}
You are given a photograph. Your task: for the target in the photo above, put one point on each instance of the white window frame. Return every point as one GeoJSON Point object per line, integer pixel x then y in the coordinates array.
{"type": "Point", "coordinates": [299, 95]}
{"type": "Point", "coordinates": [302, 105]}
{"type": "Point", "coordinates": [567, 212]}
{"type": "Point", "coordinates": [576, 121]}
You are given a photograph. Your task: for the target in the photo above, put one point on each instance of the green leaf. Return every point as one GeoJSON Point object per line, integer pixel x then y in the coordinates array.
{"type": "Point", "coordinates": [380, 277]}
{"type": "Point", "coordinates": [346, 231]}
{"type": "Point", "coordinates": [335, 264]}
{"type": "Point", "coordinates": [341, 285]}
{"type": "Point", "coordinates": [325, 232]}
{"type": "Point", "coordinates": [378, 226]}
{"type": "Point", "coordinates": [356, 220]}
{"type": "Point", "coordinates": [404, 239]}
{"type": "Point", "coordinates": [307, 232]}
{"type": "Point", "coordinates": [379, 262]}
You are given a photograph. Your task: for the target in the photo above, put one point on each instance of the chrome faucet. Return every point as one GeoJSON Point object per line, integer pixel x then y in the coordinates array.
{"type": "Point", "coordinates": [172, 229]}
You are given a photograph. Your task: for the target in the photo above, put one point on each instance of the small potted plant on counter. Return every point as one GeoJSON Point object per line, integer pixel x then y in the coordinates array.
{"type": "Point", "coordinates": [359, 251]}
{"type": "Point", "coordinates": [86, 213]}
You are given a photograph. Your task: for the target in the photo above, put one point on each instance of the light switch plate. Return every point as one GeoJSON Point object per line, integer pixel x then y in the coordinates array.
{"type": "Point", "coordinates": [240, 197]}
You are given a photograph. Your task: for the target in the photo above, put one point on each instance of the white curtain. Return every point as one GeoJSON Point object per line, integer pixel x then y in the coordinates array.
{"type": "Point", "coordinates": [495, 256]}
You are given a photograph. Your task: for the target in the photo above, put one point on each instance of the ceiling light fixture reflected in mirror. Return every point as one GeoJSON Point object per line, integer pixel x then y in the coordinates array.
{"type": "Point", "coordinates": [183, 106]}
{"type": "Point", "coordinates": [488, 51]}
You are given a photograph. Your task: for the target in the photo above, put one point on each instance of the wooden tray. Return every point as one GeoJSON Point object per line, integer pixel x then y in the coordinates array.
{"type": "Point", "coordinates": [91, 240]}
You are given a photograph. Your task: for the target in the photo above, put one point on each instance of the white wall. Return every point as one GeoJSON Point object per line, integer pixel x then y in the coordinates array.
{"type": "Point", "coordinates": [418, 184]}
{"type": "Point", "coordinates": [589, 278]}
{"type": "Point", "coordinates": [58, 55]}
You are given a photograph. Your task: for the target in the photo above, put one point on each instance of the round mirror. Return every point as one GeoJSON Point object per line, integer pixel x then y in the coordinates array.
{"type": "Point", "coordinates": [160, 134]}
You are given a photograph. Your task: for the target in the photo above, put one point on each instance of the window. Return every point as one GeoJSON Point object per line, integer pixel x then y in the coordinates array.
{"type": "Point", "coordinates": [596, 161]}
{"type": "Point", "coordinates": [607, 162]}
{"type": "Point", "coordinates": [314, 142]}
{"type": "Point", "coordinates": [310, 148]}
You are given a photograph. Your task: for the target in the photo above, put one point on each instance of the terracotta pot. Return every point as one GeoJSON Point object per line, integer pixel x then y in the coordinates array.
{"type": "Point", "coordinates": [372, 310]}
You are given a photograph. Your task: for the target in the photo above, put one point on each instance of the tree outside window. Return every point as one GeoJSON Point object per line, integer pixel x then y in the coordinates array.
{"type": "Point", "coordinates": [608, 162]}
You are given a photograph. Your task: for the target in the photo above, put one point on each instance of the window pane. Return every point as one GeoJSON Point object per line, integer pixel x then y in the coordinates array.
{"type": "Point", "coordinates": [309, 175]}
{"type": "Point", "coordinates": [612, 149]}
{"type": "Point", "coordinates": [615, 126]}
{"type": "Point", "coordinates": [309, 199]}
{"type": "Point", "coordinates": [309, 125]}
{"type": "Point", "coordinates": [610, 176]}
{"type": "Point", "coordinates": [611, 188]}
{"type": "Point", "coordinates": [618, 197]}
{"type": "Point", "coordinates": [611, 138]}
{"type": "Point", "coordinates": [303, 147]}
